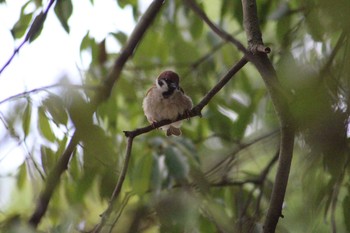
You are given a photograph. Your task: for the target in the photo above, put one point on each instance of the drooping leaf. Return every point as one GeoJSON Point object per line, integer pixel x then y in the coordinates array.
{"type": "Point", "coordinates": [64, 10]}
{"type": "Point", "coordinates": [22, 176]}
{"type": "Point", "coordinates": [55, 106]}
{"type": "Point", "coordinates": [121, 37]}
{"type": "Point", "coordinates": [124, 3]}
{"type": "Point", "coordinates": [196, 26]}
{"type": "Point", "coordinates": [48, 159]}
{"type": "Point", "coordinates": [176, 163]}
{"type": "Point", "coordinates": [27, 119]}
{"type": "Point", "coordinates": [44, 125]}
{"type": "Point", "coordinates": [36, 27]}
{"type": "Point", "coordinates": [20, 28]}
{"type": "Point", "coordinates": [142, 174]}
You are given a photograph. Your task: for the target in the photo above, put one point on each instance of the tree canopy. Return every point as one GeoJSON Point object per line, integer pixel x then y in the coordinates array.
{"type": "Point", "coordinates": [269, 81]}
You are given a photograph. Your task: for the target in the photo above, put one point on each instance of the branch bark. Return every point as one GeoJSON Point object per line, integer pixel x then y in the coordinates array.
{"type": "Point", "coordinates": [128, 50]}
{"type": "Point", "coordinates": [33, 30]}
{"type": "Point", "coordinates": [279, 100]}
{"type": "Point", "coordinates": [52, 182]}
{"type": "Point", "coordinates": [61, 166]}
{"type": "Point", "coordinates": [257, 54]}
{"type": "Point", "coordinates": [196, 110]}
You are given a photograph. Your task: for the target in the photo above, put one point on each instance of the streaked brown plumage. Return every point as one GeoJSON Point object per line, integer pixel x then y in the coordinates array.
{"type": "Point", "coordinates": [166, 100]}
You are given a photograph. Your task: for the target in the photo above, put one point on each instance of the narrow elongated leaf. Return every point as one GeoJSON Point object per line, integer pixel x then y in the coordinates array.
{"type": "Point", "coordinates": [20, 28]}
{"type": "Point", "coordinates": [44, 126]}
{"type": "Point", "coordinates": [176, 163]}
{"type": "Point", "coordinates": [23, 22]}
{"type": "Point", "coordinates": [48, 159]}
{"type": "Point", "coordinates": [54, 105]}
{"type": "Point", "coordinates": [64, 10]}
{"type": "Point", "coordinates": [27, 118]}
{"type": "Point", "coordinates": [142, 174]}
{"type": "Point", "coordinates": [22, 176]}
{"type": "Point", "coordinates": [36, 27]}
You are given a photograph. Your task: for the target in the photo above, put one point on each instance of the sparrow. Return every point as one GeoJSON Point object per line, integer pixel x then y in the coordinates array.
{"type": "Point", "coordinates": [166, 100]}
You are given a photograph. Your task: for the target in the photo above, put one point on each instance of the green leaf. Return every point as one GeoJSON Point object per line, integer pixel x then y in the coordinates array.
{"type": "Point", "coordinates": [196, 26]}
{"type": "Point", "coordinates": [22, 175]}
{"type": "Point", "coordinates": [85, 42]}
{"type": "Point", "coordinates": [20, 27]}
{"type": "Point", "coordinates": [48, 159]}
{"type": "Point", "coordinates": [142, 174]}
{"type": "Point", "coordinates": [176, 163]}
{"type": "Point", "coordinates": [121, 37]}
{"type": "Point", "coordinates": [124, 3]}
{"type": "Point", "coordinates": [27, 118]}
{"type": "Point", "coordinates": [55, 106]}
{"type": "Point", "coordinates": [36, 27]}
{"type": "Point", "coordinates": [44, 126]}
{"type": "Point", "coordinates": [64, 10]}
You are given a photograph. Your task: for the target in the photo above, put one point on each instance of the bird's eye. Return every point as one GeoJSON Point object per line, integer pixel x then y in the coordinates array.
{"type": "Point", "coordinates": [160, 83]}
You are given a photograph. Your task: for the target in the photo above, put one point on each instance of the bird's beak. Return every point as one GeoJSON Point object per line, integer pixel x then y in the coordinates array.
{"type": "Point", "coordinates": [174, 85]}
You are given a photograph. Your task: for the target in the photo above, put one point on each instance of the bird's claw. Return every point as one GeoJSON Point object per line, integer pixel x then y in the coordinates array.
{"type": "Point", "coordinates": [187, 114]}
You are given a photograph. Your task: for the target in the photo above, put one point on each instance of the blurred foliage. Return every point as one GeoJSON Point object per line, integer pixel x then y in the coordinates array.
{"type": "Point", "coordinates": [216, 177]}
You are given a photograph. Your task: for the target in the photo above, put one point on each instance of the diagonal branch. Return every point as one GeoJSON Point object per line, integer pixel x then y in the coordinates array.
{"type": "Point", "coordinates": [61, 166]}
{"type": "Point", "coordinates": [223, 34]}
{"type": "Point", "coordinates": [279, 101]}
{"type": "Point", "coordinates": [131, 45]}
{"type": "Point", "coordinates": [33, 30]}
{"type": "Point", "coordinates": [52, 182]}
{"type": "Point", "coordinates": [45, 88]}
{"type": "Point", "coordinates": [256, 54]}
{"type": "Point", "coordinates": [196, 110]}
{"type": "Point", "coordinates": [117, 189]}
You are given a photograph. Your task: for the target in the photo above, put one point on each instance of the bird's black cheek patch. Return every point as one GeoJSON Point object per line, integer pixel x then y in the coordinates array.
{"type": "Point", "coordinates": [160, 83]}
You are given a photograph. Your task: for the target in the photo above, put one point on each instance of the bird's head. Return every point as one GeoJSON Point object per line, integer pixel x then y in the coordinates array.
{"type": "Point", "coordinates": [168, 82]}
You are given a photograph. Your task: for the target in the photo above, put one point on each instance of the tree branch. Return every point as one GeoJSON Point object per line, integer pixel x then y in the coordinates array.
{"type": "Point", "coordinates": [223, 34]}
{"type": "Point", "coordinates": [45, 88]}
{"type": "Point", "coordinates": [278, 97]}
{"type": "Point", "coordinates": [117, 189]}
{"type": "Point", "coordinates": [33, 30]}
{"type": "Point", "coordinates": [61, 166]}
{"type": "Point", "coordinates": [52, 182]}
{"type": "Point", "coordinates": [130, 46]}
{"type": "Point", "coordinates": [196, 110]}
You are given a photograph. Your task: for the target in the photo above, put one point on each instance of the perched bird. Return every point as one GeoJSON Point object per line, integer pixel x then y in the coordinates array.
{"type": "Point", "coordinates": [166, 100]}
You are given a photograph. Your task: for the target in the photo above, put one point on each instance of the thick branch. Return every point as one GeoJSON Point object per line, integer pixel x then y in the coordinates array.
{"type": "Point", "coordinates": [62, 164]}
{"type": "Point", "coordinates": [196, 110]}
{"type": "Point", "coordinates": [131, 44]}
{"type": "Point", "coordinates": [52, 182]}
{"type": "Point", "coordinates": [266, 70]}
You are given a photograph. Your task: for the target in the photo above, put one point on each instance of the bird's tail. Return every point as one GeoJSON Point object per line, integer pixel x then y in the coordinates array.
{"type": "Point", "coordinates": [173, 131]}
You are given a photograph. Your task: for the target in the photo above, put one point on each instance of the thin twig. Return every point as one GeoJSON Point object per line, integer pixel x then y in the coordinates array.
{"type": "Point", "coordinates": [223, 34]}
{"type": "Point", "coordinates": [40, 21]}
{"type": "Point", "coordinates": [61, 166]}
{"type": "Point", "coordinates": [45, 88]}
{"type": "Point", "coordinates": [117, 189]}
